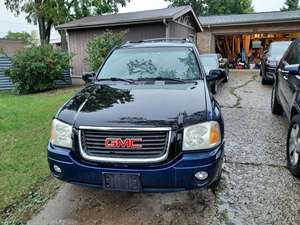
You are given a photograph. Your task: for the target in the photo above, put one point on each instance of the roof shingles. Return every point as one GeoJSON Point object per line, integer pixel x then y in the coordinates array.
{"type": "Point", "coordinates": [123, 18]}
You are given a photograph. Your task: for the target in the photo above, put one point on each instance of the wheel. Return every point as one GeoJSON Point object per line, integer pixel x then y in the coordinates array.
{"type": "Point", "coordinates": [216, 183]}
{"type": "Point", "coordinates": [263, 80]}
{"type": "Point", "coordinates": [226, 76]}
{"type": "Point", "coordinates": [293, 146]}
{"type": "Point", "coordinates": [275, 105]}
{"type": "Point", "coordinates": [214, 88]}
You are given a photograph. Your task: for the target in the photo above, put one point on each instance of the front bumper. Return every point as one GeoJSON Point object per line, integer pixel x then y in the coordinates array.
{"type": "Point", "coordinates": [177, 175]}
{"type": "Point", "coordinates": [270, 73]}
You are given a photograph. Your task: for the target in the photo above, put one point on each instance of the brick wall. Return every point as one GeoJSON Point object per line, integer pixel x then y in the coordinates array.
{"type": "Point", "coordinates": [10, 47]}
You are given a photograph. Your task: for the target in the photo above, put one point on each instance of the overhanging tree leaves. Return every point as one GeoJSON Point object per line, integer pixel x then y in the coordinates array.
{"type": "Point", "coordinates": [216, 7]}
{"type": "Point", "coordinates": [290, 5]}
{"type": "Point", "coordinates": [49, 13]}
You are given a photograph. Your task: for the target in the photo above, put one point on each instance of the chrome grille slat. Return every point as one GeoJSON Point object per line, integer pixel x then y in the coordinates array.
{"type": "Point", "coordinates": [155, 144]}
{"type": "Point", "coordinates": [162, 145]}
{"type": "Point", "coordinates": [125, 149]}
{"type": "Point", "coordinates": [120, 152]}
{"type": "Point", "coordinates": [120, 136]}
{"type": "Point", "coordinates": [145, 139]}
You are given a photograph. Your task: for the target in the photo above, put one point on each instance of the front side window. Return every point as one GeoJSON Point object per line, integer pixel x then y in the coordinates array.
{"type": "Point", "coordinates": [278, 50]}
{"type": "Point", "coordinates": [144, 63]}
{"type": "Point", "coordinates": [210, 61]}
{"type": "Point", "coordinates": [295, 56]}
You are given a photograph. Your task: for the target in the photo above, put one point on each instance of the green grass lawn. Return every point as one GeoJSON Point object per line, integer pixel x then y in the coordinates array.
{"type": "Point", "coordinates": [24, 133]}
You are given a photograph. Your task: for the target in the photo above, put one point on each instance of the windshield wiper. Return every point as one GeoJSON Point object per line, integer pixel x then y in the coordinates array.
{"type": "Point", "coordinates": [162, 79]}
{"type": "Point", "coordinates": [117, 79]}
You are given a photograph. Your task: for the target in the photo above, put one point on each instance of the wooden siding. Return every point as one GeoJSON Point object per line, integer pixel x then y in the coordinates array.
{"type": "Point", "coordinates": [256, 28]}
{"type": "Point", "coordinates": [78, 40]}
{"type": "Point", "coordinates": [177, 30]}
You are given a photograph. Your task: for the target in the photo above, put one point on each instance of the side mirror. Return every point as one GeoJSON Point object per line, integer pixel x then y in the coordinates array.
{"type": "Point", "coordinates": [293, 69]}
{"type": "Point", "coordinates": [215, 75]}
{"type": "Point", "coordinates": [89, 77]}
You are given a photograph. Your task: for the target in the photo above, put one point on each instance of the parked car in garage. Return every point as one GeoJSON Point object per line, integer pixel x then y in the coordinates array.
{"type": "Point", "coordinates": [286, 98]}
{"type": "Point", "coordinates": [271, 60]}
{"type": "Point", "coordinates": [145, 123]}
{"type": "Point", "coordinates": [217, 64]}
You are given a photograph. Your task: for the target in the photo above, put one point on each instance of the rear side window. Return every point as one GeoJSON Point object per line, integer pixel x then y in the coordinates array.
{"type": "Point", "coordinates": [138, 63]}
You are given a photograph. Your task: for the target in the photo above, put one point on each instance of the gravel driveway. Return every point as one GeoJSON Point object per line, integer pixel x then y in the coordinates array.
{"type": "Point", "coordinates": [256, 187]}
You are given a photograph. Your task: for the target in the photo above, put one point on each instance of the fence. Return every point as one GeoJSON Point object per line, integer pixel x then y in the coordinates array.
{"type": "Point", "coordinates": [7, 84]}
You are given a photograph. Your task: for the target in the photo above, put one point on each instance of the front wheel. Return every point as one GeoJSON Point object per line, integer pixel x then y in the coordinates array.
{"type": "Point", "coordinates": [214, 88]}
{"type": "Point", "coordinates": [275, 105]}
{"type": "Point", "coordinates": [226, 76]}
{"type": "Point", "coordinates": [293, 146]}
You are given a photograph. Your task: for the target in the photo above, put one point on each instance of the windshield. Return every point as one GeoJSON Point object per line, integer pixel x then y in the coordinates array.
{"type": "Point", "coordinates": [145, 63]}
{"type": "Point", "coordinates": [278, 50]}
{"type": "Point", "coordinates": [209, 61]}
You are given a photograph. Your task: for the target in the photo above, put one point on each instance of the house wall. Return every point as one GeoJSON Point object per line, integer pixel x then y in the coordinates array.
{"type": "Point", "coordinates": [10, 47]}
{"type": "Point", "coordinates": [78, 40]}
{"type": "Point", "coordinates": [206, 42]}
{"type": "Point", "coordinates": [177, 30]}
{"type": "Point", "coordinates": [256, 28]}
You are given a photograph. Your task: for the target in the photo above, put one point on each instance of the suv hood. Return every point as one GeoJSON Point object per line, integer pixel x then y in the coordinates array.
{"type": "Point", "coordinates": [159, 104]}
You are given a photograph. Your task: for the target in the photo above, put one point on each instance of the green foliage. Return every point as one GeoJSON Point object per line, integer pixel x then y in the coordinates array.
{"type": "Point", "coordinates": [216, 7]}
{"type": "Point", "coordinates": [35, 69]}
{"type": "Point", "coordinates": [290, 5]}
{"type": "Point", "coordinates": [47, 13]}
{"type": "Point", "coordinates": [22, 36]}
{"type": "Point", "coordinates": [99, 47]}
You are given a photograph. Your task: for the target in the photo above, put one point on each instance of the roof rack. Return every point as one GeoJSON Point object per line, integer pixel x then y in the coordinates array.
{"type": "Point", "coordinates": [180, 40]}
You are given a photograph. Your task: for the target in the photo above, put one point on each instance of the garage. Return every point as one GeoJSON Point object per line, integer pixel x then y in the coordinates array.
{"type": "Point", "coordinates": [244, 38]}
{"type": "Point", "coordinates": [177, 22]}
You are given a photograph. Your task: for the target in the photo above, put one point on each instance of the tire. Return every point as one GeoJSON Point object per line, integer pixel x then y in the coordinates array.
{"type": "Point", "coordinates": [263, 80]}
{"type": "Point", "coordinates": [216, 183]}
{"type": "Point", "coordinates": [214, 88]}
{"type": "Point", "coordinates": [293, 147]}
{"type": "Point", "coordinates": [275, 105]}
{"type": "Point", "coordinates": [226, 76]}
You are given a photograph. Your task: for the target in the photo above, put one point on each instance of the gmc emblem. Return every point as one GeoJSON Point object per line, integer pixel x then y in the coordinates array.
{"type": "Point", "coordinates": [123, 143]}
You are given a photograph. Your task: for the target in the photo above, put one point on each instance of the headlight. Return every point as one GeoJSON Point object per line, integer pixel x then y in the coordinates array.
{"type": "Point", "coordinates": [201, 136]}
{"type": "Point", "coordinates": [61, 134]}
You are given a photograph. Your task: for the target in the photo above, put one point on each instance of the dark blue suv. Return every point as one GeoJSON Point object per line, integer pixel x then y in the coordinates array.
{"type": "Point", "coordinates": [286, 98]}
{"type": "Point", "coordinates": [146, 122]}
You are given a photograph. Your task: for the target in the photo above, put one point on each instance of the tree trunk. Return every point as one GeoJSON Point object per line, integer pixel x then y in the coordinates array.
{"type": "Point", "coordinates": [64, 42]}
{"type": "Point", "coordinates": [44, 30]}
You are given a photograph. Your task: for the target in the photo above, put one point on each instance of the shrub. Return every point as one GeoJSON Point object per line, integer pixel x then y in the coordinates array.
{"type": "Point", "coordinates": [99, 47]}
{"type": "Point", "coordinates": [35, 69]}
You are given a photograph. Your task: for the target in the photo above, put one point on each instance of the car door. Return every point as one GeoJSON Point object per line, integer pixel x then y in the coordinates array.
{"type": "Point", "coordinates": [288, 83]}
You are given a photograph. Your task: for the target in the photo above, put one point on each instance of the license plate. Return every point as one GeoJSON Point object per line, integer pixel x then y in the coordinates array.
{"type": "Point", "coordinates": [121, 182]}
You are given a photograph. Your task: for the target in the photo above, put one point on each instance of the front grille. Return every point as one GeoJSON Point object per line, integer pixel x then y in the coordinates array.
{"type": "Point", "coordinates": [151, 145]}
{"type": "Point", "coordinates": [270, 69]}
